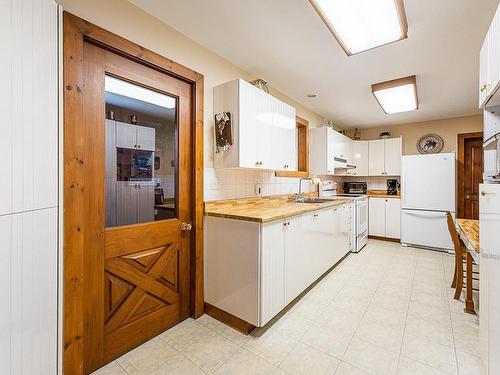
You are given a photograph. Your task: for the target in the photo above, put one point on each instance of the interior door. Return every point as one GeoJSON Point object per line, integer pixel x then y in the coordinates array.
{"type": "Point", "coordinates": [136, 275]}
{"type": "Point", "coordinates": [473, 176]}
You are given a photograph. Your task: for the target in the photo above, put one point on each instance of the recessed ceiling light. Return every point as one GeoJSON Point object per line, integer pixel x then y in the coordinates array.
{"type": "Point", "coordinates": [311, 95]}
{"type": "Point", "coordinates": [399, 95]}
{"type": "Point", "coordinates": [360, 25]}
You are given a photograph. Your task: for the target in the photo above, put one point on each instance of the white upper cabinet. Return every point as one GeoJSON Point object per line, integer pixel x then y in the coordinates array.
{"type": "Point", "coordinates": [359, 159]}
{"type": "Point", "coordinates": [327, 144]}
{"type": "Point", "coordinates": [134, 136]}
{"type": "Point", "coordinates": [385, 157]}
{"type": "Point", "coordinates": [489, 63]}
{"type": "Point", "coordinates": [263, 128]}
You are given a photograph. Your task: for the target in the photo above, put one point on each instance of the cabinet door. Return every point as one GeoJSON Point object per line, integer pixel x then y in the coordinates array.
{"type": "Point", "coordinates": [483, 72]}
{"type": "Point", "coordinates": [252, 126]}
{"type": "Point", "coordinates": [272, 271]}
{"type": "Point", "coordinates": [296, 259]}
{"type": "Point", "coordinates": [281, 145]}
{"type": "Point", "coordinates": [493, 70]}
{"type": "Point", "coordinates": [146, 138]}
{"type": "Point", "coordinates": [126, 135]}
{"type": "Point", "coordinates": [145, 203]}
{"type": "Point", "coordinates": [376, 217]}
{"type": "Point", "coordinates": [126, 203]}
{"type": "Point", "coordinates": [393, 217]}
{"type": "Point", "coordinates": [376, 165]}
{"type": "Point", "coordinates": [392, 156]}
{"type": "Point", "coordinates": [359, 158]}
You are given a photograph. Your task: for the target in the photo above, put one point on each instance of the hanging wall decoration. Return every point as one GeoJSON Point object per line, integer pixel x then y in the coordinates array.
{"type": "Point", "coordinates": [223, 132]}
{"type": "Point", "coordinates": [430, 144]}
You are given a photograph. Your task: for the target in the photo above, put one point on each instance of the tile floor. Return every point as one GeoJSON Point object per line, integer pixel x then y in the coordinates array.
{"type": "Point", "coordinates": [387, 310]}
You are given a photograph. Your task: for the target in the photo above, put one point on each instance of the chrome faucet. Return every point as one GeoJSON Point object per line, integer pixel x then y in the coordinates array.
{"type": "Point", "coordinates": [300, 196]}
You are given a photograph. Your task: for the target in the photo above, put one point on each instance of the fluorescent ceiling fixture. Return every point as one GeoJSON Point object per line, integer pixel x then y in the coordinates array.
{"type": "Point", "coordinates": [360, 25]}
{"type": "Point", "coordinates": [124, 88]}
{"type": "Point", "coordinates": [399, 95]}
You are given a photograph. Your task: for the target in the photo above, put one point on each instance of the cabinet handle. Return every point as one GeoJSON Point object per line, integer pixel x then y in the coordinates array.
{"type": "Point", "coordinates": [485, 193]}
{"type": "Point", "coordinates": [138, 146]}
{"type": "Point", "coordinates": [315, 215]}
{"type": "Point", "coordinates": [483, 87]}
{"type": "Point", "coordinates": [135, 146]}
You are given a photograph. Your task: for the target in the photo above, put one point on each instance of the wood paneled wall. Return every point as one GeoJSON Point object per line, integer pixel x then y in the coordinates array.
{"type": "Point", "coordinates": [28, 186]}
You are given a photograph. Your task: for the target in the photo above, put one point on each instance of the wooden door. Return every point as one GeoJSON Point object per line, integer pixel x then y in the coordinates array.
{"type": "Point", "coordinates": [470, 174]}
{"type": "Point", "coordinates": [137, 275]}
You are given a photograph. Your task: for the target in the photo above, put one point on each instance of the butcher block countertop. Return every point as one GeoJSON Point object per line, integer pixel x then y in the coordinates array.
{"type": "Point", "coordinates": [469, 231]}
{"type": "Point", "coordinates": [263, 210]}
{"type": "Point", "coordinates": [381, 194]}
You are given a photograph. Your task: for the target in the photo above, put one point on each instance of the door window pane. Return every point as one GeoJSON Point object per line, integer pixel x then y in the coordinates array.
{"type": "Point", "coordinates": [141, 154]}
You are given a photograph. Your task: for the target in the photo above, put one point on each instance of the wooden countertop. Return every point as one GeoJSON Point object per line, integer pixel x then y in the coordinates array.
{"type": "Point", "coordinates": [381, 194]}
{"type": "Point", "coordinates": [469, 231]}
{"type": "Point", "coordinates": [265, 209]}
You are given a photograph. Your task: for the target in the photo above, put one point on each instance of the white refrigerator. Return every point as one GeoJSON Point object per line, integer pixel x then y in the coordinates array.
{"type": "Point", "coordinates": [427, 192]}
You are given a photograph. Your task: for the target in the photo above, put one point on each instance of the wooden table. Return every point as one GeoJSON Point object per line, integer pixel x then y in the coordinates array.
{"type": "Point", "coordinates": [469, 233]}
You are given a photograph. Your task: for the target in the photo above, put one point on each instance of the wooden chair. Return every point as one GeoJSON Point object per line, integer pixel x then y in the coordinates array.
{"type": "Point", "coordinates": [460, 258]}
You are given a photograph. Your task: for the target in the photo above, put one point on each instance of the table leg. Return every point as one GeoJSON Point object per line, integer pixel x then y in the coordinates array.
{"type": "Point", "coordinates": [469, 302]}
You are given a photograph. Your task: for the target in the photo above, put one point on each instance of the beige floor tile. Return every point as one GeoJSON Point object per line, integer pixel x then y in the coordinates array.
{"type": "Point", "coordinates": [431, 353]}
{"type": "Point", "coordinates": [210, 351]}
{"type": "Point", "coordinates": [112, 368]}
{"type": "Point", "coordinates": [208, 321]}
{"type": "Point", "coordinates": [371, 358]}
{"type": "Point", "coordinates": [439, 315]}
{"type": "Point", "coordinates": [389, 318]}
{"type": "Point", "coordinates": [307, 308]}
{"type": "Point", "coordinates": [345, 368]}
{"type": "Point", "coordinates": [178, 365]}
{"type": "Point", "coordinates": [273, 346]}
{"type": "Point", "coordinates": [327, 339]}
{"type": "Point", "coordinates": [147, 356]}
{"type": "Point", "coordinates": [231, 334]}
{"type": "Point", "coordinates": [184, 334]}
{"type": "Point", "coordinates": [408, 366]}
{"type": "Point", "coordinates": [344, 321]}
{"type": "Point", "coordinates": [293, 324]}
{"type": "Point", "coordinates": [469, 364]}
{"type": "Point", "coordinates": [399, 305]}
{"type": "Point", "coordinates": [385, 337]}
{"type": "Point", "coordinates": [305, 360]}
{"type": "Point", "coordinates": [438, 332]}
{"type": "Point", "coordinates": [244, 362]}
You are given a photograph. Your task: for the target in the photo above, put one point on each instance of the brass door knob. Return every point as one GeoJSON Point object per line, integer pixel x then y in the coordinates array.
{"type": "Point", "coordinates": [186, 226]}
{"type": "Point", "coordinates": [467, 196]}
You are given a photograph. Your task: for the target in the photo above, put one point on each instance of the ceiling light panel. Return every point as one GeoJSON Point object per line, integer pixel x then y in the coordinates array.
{"type": "Point", "coordinates": [399, 95]}
{"type": "Point", "coordinates": [360, 25]}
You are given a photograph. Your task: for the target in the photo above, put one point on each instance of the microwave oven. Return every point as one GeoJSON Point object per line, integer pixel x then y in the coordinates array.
{"type": "Point", "coordinates": [491, 159]}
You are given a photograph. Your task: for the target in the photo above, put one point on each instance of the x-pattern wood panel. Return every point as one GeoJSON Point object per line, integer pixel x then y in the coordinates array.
{"type": "Point", "coordinates": [149, 273]}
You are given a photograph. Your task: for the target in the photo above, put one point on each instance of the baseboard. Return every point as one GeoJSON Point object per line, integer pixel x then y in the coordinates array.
{"type": "Point", "coordinates": [388, 239]}
{"type": "Point", "coordinates": [229, 319]}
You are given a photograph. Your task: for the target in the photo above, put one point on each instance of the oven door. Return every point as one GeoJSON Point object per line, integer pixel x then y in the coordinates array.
{"type": "Point", "coordinates": [362, 216]}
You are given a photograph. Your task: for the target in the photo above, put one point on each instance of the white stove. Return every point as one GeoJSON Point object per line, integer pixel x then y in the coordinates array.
{"type": "Point", "coordinates": [359, 213]}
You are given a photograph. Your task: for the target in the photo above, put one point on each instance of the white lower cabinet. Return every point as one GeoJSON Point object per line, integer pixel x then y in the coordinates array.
{"type": "Point", "coordinates": [254, 270]}
{"type": "Point", "coordinates": [384, 217]}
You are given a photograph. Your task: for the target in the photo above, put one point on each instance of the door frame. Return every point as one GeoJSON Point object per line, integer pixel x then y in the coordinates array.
{"type": "Point", "coordinates": [76, 31]}
{"type": "Point", "coordinates": [461, 138]}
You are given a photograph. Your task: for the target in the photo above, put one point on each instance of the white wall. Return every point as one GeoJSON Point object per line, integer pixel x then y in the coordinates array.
{"type": "Point", "coordinates": [28, 188]}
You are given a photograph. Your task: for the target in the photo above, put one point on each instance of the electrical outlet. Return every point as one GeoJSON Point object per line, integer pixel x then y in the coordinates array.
{"type": "Point", "coordinates": [258, 189]}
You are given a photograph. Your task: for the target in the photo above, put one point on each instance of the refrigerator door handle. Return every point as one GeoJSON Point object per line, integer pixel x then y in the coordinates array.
{"type": "Point", "coordinates": [434, 214]}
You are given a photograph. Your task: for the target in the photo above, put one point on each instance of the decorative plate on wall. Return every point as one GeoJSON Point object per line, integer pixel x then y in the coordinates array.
{"type": "Point", "coordinates": [430, 144]}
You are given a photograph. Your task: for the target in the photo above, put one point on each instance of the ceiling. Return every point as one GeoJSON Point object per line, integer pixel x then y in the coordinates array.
{"type": "Point", "coordinates": [286, 43]}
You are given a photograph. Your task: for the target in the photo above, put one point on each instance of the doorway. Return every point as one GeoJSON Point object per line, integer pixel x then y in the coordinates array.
{"type": "Point", "coordinates": [133, 201]}
{"type": "Point", "coordinates": [470, 174]}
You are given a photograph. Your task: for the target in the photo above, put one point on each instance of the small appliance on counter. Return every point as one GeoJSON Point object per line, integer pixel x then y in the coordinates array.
{"type": "Point", "coordinates": [327, 188]}
{"type": "Point", "coordinates": [159, 196]}
{"type": "Point", "coordinates": [392, 187]}
{"type": "Point", "coordinates": [355, 187]}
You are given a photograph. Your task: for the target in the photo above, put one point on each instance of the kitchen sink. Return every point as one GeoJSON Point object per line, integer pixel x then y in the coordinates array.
{"type": "Point", "coordinates": [311, 200]}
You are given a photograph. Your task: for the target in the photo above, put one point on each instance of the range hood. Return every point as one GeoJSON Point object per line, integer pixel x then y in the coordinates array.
{"type": "Point", "coordinates": [340, 163]}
